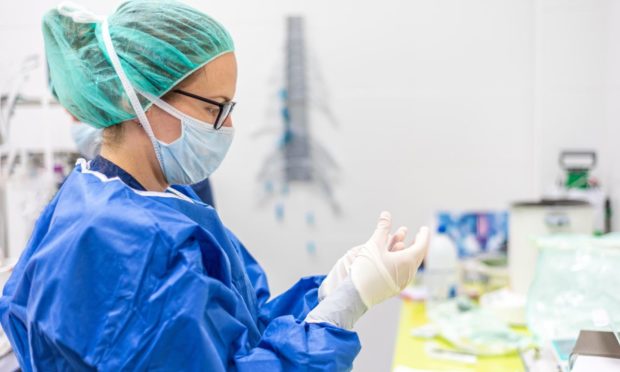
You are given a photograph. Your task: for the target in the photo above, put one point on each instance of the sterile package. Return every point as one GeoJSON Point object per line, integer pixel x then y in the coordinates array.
{"type": "Point", "coordinates": [475, 330]}
{"type": "Point", "coordinates": [576, 286]}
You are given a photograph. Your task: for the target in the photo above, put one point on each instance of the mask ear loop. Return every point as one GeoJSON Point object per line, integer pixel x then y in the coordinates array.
{"type": "Point", "coordinates": [173, 110]}
{"type": "Point", "coordinates": [168, 108]}
{"type": "Point", "coordinates": [130, 91]}
{"type": "Point", "coordinates": [78, 13]}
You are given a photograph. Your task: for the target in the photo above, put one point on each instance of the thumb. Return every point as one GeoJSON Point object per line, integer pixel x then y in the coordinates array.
{"type": "Point", "coordinates": [384, 226]}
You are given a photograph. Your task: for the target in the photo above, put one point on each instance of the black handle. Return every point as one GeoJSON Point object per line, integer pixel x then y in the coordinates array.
{"type": "Point", "coordinates": [585, 154]}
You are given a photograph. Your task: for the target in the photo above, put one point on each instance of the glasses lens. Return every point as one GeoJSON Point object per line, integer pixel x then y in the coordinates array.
{"type": "Point", "coordinates": [224, 114]}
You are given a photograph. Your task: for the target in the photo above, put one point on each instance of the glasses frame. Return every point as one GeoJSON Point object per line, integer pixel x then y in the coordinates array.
{"type": "Point", "coordinates": [225, 108]}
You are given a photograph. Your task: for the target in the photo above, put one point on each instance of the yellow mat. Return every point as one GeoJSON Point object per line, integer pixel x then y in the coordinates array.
{"type": "Point", "coordinates": [410, 351]}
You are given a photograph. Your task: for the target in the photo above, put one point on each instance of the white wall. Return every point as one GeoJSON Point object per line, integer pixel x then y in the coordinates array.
{"type": "Point", "coordinates": [612, 139]}
{"type": "Point", "coordinates": [579, 57]}
{"type": "Point", "coordinates": [456, 81]}
{"type": "Point", "coordinates": [435, 111]}
{"type": "Point", "coordinates": [436, 102]}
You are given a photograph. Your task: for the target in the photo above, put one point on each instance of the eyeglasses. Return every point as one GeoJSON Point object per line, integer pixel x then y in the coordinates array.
{"type": "Point", "coordinates": [224, 108]}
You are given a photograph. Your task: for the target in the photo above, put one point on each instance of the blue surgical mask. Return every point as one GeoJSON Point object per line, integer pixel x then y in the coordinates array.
{"type": "Point", "coordinates": [197, 153]}
{"type": "Point", "coordinates": [87, 139]}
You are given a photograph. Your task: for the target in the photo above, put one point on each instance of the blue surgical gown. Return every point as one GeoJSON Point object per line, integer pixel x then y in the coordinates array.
{"type": "Point", "coordinates": [116, 278]}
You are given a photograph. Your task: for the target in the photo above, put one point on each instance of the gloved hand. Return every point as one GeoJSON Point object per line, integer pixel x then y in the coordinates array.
{"type": "Point", "coordinates": [342, 308]}
{"type": "Point", "coordinates": [369, 274]}
{"type": "Point", "coordinates": [340, 271]}
{"type": "Point", "coordinates": [378, 273]}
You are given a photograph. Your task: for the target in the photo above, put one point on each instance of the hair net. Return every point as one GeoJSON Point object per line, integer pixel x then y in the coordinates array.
{"type": "Point", "coordinates": [159, 43]}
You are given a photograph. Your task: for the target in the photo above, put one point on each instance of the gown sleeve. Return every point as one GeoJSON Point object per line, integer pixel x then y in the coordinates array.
{"type": "Point", "coordinates": [199, 326]}
{"type": "Point", "coordinates": [136, 304]}
{"type": "Point", "coordinates": [282, 317]}
{"type": "Point", "coordinates": [298, 301]}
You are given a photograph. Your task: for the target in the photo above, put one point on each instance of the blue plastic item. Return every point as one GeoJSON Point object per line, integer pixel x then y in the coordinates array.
{"type": "Point", "coordinates": [119, 279]}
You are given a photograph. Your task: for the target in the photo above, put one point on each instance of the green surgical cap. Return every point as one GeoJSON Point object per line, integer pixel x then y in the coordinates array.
{"type": "Point", "coordinates": [159, 43]}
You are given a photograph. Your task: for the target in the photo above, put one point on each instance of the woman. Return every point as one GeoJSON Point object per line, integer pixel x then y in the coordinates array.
{"type": "Point", "coordinates": [126, 272]}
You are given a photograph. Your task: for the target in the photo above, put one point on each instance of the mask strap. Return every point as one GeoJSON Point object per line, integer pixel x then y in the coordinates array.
{"type": "Point", "coordinates": [163, 105]}
{"type": "Point", "coordinates": [171, 109]}
{"type": "Point", "coordinates": [131, 93]}
{"type": "Point", "coordinates": [78, 13]}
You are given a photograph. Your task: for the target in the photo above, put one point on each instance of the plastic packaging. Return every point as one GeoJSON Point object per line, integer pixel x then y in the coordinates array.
{"type": "Point", "coordinates": [475, 330]}
{"type": "Point", "coordinates": [576, 280]}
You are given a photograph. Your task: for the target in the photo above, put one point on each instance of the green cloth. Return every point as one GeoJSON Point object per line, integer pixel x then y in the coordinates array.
{"type": "Point", "coordinates": [159, 43]}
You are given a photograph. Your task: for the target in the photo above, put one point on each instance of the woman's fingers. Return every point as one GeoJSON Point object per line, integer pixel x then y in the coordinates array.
{"type": "Point", "coordinates": [397, 242]}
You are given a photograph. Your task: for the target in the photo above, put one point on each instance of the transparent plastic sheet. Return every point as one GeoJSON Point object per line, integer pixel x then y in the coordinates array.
{"type": "Point", "coordinates": [474, 330]}
{"type": "Point", "coordinates": [577, 286]}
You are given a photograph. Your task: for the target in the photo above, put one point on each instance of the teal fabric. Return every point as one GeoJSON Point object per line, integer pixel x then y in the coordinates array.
{"type": "Point", "coordinates": [159, 43]}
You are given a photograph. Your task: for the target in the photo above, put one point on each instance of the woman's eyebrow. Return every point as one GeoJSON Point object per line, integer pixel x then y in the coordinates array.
{"type": "Point", "coordinates": [225, 98]}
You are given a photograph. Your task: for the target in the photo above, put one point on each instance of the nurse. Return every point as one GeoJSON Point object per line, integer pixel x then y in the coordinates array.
{"type": "Point", "coordinates": [126, 268]}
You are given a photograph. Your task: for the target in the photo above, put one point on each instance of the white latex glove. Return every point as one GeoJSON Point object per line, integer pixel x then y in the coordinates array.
{"type": "Point", "coordinates": [342, 308]}
{"type": "Point", "coordinates": [379, 273]}
{"type": "Point", "coordinates": [341, 269]}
